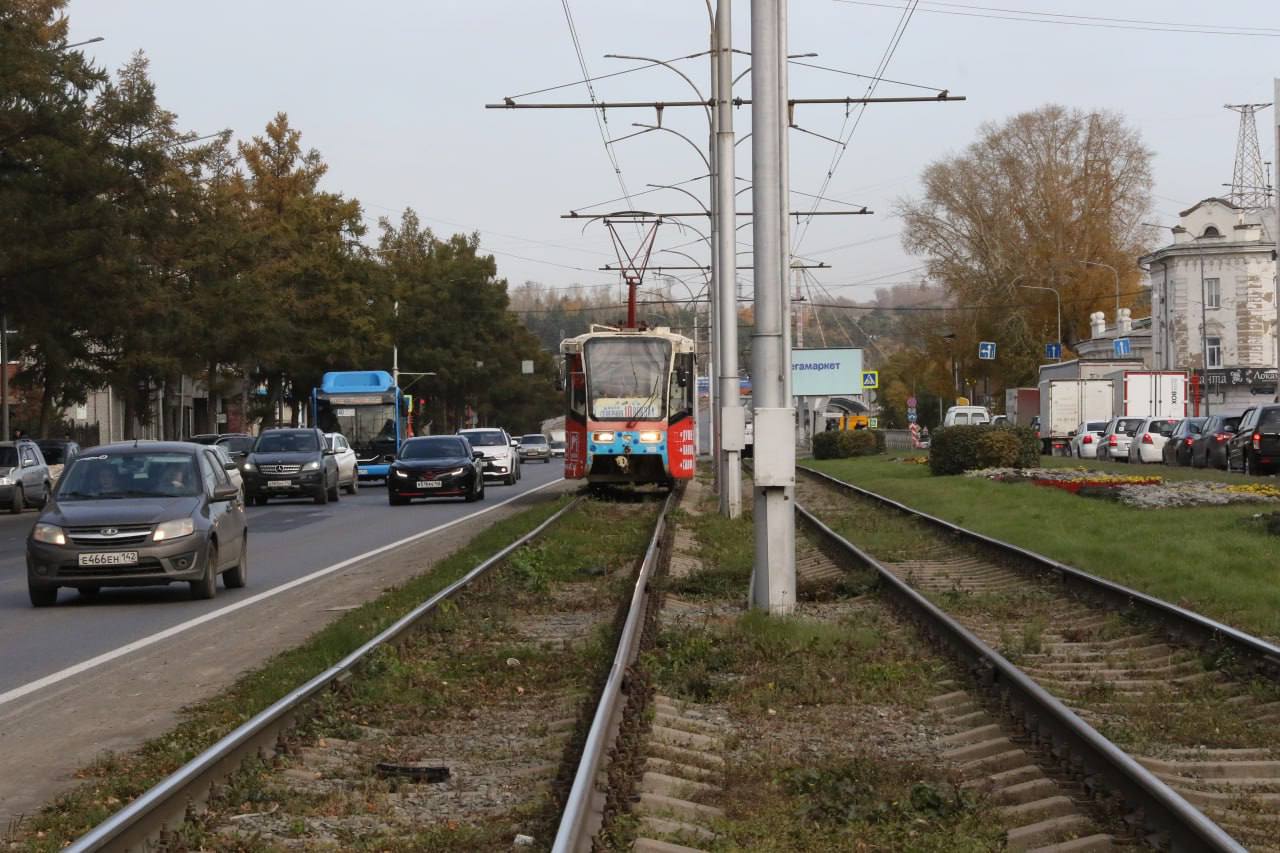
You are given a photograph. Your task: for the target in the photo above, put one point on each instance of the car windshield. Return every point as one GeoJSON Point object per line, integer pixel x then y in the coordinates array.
{"type": "Point", "coordinates": [1230, 424]}
{"type": "Point", "coordinates": [1096, 426]}
{"type": "Point", "coordinates": [1164, 428]}
{"type": "Point", "coordinates": [53, 454]}
{"type": "Point", "coordinates": [486, 438]}
{"type": "Point", "coordinates": [112, 476]}
{"type": "Point", "coordinates": [1128, 426]}
{"type": "Point", "coordinates": [1270, 420]}
{"type": "Point", "coordinates": [532, 439]}
{"type": "Point", "coordinates": [1194, 425]}
{"type": "Point", "coordinates": [557, 444]}
{"type": "Point", "coordinates": [286, 442]}
{"type": "Point", "coordinates": [433, 448]}
{"type": "Point", "coordinates": [237, 443]}
{"type": "Point", "coordinates": [627, 377]}
{"type": "Point", "coordinates": [8, 457]}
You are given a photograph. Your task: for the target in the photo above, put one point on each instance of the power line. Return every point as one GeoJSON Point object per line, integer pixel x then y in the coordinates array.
{"type": "Point", "coordinates": [1061, 20]}
{"type": "Point", "coordinates": [865, 76]}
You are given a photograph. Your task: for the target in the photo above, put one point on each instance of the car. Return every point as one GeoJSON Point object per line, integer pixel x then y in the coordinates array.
{"type": "Point", "coordinates": [238, 444]}
{"type": "Point", "coordinates": [1000, 420]}
{"type": "Point", "coordinates": [290, 463]}
{"type": "Point", "coordinates": [229, 465]}
{"type": "Point", "coordinates": [1150, 438]}
{"type": "Point", "coordinates": [1177, 450]}
{"type": "Point", "coordinates": [534, 446]}
{"type": "Point", "coordinates": [24, 477]}
{"type": "Point", "coordinates": [436, 466]}
{"type": "Point", "coordinates": [966, 415]}
{"type": "Point", "coordinates": [1255, 448]}
{"type": "Point", "coordinates": [58, 453]}
{"type": "Point", "coordinates": [139, 514]}
{"type": "Point", "coordinates": [502, 461]}
{"type": "Point", "coordinates": [1210, 447]}
{"type": "Point", "coordinates": [348, 470]}
{"type": "Point", "coordinates": [1086, 439]}
{"type": "Point", "coordinates": [557, 447]}
{"type": "Point", "coordinates": [1116, 438]}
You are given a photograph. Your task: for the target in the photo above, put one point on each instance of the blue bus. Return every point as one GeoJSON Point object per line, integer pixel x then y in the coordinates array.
{"type": "Point", "coordinates": [367, 408]}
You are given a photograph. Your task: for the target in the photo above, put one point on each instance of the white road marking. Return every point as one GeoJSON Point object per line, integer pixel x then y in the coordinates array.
{"type": "Point", "coordinates": [106, 657]}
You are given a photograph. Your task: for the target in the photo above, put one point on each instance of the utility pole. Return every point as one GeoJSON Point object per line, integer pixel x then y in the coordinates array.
{"type": "Point", "coordinates": [1275, 234]}
{"type": "Point", "coordinates": [773, 584]}
{"type": "Point", "coordinates": [4, 375]}
{"type": "Point", "coordinates": [732, 426]}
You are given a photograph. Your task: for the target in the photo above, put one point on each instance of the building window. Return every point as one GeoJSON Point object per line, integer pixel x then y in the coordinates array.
{"type": "Point", "coordinates": [1213, 349]}
{"type": "Point", "coordinates": [1212, 293]}
{"type": "Point", "coordinates": [1211, 231]}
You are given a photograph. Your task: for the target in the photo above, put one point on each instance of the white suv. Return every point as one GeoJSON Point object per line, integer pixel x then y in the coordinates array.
{"type": "Point", "coordinates": [501, 459]}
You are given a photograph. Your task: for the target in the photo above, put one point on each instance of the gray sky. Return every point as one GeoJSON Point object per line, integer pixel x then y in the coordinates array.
{"type": "Point", "coordinates": [392, 92]}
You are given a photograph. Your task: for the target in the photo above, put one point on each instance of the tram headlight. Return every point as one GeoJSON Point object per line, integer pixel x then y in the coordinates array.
{"type": "Point", "coordinates": [650, 436]}
{"type": "Point", "coordinates": [605, 437]}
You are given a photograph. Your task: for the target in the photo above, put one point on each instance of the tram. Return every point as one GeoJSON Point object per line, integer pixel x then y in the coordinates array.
{"type": "Point", "coordinates": [629, 396]}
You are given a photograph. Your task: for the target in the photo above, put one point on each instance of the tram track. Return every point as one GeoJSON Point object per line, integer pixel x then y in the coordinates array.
{"type": "Point", "coordinates": [1191, 704]}
{"type": "Point", "coordinates": [461, 720]}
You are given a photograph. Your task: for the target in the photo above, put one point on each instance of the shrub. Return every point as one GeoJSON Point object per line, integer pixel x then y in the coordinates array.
{"type": "Point", "coordinates": [880, 443]}
{"type": "Point", "coordinates": [826, 445]}
{"type": "Point", "coordinates": [841, 444]}
{"type": "Point", "coordinates": [996, 448]}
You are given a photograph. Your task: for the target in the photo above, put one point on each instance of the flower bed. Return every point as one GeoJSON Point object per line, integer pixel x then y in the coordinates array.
{"type": "Point", "coordinates": [1137, 490]}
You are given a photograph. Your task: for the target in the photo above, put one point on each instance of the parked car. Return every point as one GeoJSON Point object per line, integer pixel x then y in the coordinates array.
{"type": "Point", "coordinates": [534, 446]}
{"type": "Point", "coordinates": [1255, 448]}
{"type": "Point", "coordinates": [1210, 447]}
{"type": "Point", "coordinates": [238, 444]}
{"type": "Point", "coordinates": [24, 476]}
{"type": "Point", "coordinates": [436, 466]}
{"type": "Point", "coordinates": [139, 515]}
{"type": "Point", "coordinates": [502, 461]}
{"type": "Point", "coordinates": [1116, 438]}
{"type": "Point", "coordinates": [348, 470]}
{"type": "Point", "coordinates": [229, 465]}
{"type": "Point", "coordinates": [962, 415]}
{"type": "Point", "coordinates": [1086, 438]}
{"type": "Point", "coordinates": [1178, 449]}
{"type": "Point", "coordinates": [290, 463]}
{"type": "Point", "coordinates": [1150, 438]}
{"type": "Point", "coordinates": [58, 453]}
{"type": "Point", "coordinates": [1000, 420]}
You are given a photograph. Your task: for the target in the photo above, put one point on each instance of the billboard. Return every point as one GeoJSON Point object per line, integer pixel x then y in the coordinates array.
{"type": "Point", "coordinates": [826, 372]}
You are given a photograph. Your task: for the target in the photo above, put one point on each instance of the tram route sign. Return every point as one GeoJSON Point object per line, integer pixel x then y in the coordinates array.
{"type": "Point", "coordinates": [826, 372]}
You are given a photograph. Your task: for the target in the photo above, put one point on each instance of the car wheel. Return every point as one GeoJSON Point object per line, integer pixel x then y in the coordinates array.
{"type": "Point", "coordinates": [472, 495]}
{"type": "Point", "coordinates": [510, 479]}
{"type": "Point", "coordinates": [17, 500]}
{"type": "Point", "coordinates": [207, 586]}
{"type": "Point", "coordinates": [237, 577]}
{"type": "Point", "coordinates": [43, 596]}
{"type": "Point", "coordinates": [321, 496]}
{"type": "Point", "coordinates": [48, 489]}
{"type": "Point", "coordinates": [334, 493]}
{"type": "Point", "coordinates": [1247, 467]}
{"type": "Point", "coordinates": [354, 485]}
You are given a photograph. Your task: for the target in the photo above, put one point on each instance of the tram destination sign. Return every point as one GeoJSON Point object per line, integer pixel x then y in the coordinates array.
{"type": "Point", "coordinates": [826, 372]}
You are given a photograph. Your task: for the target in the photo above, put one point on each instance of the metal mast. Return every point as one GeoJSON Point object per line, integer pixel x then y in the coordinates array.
{"type": "Point", "coordinates": [1249, 177]}
{"type": "Point", "coordinates": [732, 422]}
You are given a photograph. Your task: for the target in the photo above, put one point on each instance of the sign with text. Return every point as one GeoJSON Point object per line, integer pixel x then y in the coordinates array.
{"type": "Point", "coordinates": [826, 372]}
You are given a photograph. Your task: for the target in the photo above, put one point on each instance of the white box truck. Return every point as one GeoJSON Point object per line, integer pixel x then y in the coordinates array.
{"type": "Point", "coordinates": [1150, 394]}
{"type": "Point", "coordinates": [1067, 403]}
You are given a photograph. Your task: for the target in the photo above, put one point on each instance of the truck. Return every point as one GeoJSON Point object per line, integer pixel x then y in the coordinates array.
{"type": "Point", "coordinates": [1021, 405]}
{"type": "Point", "coordinates": [1150, 393]}
{"type": "Point", "coordinates": [1067, 403]}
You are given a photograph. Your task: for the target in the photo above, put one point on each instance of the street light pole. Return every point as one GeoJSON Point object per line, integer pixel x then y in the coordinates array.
{"type": "Point", "coordinates": [1115, 273]}
{"type": "Point", "coordinates": [4, 376]}
{"type": "Point", "coordinates": [732, 421]}
{"type": "Point", "coordinates": [1058, 297]}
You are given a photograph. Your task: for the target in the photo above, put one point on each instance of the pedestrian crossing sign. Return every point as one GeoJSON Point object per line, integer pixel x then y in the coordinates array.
{"type": "Point", "coordinates": [870, 379]}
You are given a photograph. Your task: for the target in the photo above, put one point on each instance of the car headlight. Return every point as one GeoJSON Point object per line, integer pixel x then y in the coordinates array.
{"type": "Point", "coordinates": [400, 473]}
{"type": "Point", "coordinates": [5, 481]}
{"type": "Point", "coordinates": [246, 465]}
{"type": "Point", "coordinates": [604, 437]}
{"type": "Point", "coordinates": [175, 529]}
{"type": "Point", "coordinates": [455, 472]}
{"type": "Point", "coordinates": [50, 534]}
{"type": "Point", "coordinates": [311, 466]}
{"type": "Point", "coordinates": [651, 436]}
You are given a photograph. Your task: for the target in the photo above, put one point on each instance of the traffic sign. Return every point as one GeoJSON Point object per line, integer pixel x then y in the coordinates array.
{"type": "Point", "coordinates": [1053, 350]}
{"type": "Point", "coordinates": [987, 350]}
{"type": "Point", "coordinates": [911, 402]}
{"type": "Point", "coordinates": [870, 379]}
{"type": "Point", "coordinates": [873, 423]}
{"type": "Point", "coordinates": [1121, 346]}
{"type": "Point", "coordinates": [911, 417]}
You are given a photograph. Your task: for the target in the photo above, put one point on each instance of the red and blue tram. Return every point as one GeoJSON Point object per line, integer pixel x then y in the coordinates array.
{"type": "Point", "coordinates": [630, 395]}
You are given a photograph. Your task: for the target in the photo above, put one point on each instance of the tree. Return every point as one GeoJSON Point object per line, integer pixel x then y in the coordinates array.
{"type": "Point", "coordinates": [1027, 203]}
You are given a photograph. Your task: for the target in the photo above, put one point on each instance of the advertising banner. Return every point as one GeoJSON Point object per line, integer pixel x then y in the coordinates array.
{"type": "Point", "coordinates": [826, 372]}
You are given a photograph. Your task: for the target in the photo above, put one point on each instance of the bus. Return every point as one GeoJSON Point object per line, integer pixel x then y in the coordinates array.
{"type": "Point", "coordinates": [367, 408]}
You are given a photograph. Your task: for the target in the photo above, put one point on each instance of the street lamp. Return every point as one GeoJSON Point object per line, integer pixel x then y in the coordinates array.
{"type": "Point", "coordinates": [1058, 297]}
{"type": "Point", "coordinates": [1115, 273]}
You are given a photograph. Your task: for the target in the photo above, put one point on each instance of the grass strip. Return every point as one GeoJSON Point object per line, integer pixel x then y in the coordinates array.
{"type": "Point", "coordinates": [1217, 560]}
{"type": "Point", "coordinates": [115, 779]}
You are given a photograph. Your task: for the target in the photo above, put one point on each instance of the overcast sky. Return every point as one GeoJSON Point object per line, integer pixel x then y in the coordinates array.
{"type": "Point", "coordinates": [392, 94]}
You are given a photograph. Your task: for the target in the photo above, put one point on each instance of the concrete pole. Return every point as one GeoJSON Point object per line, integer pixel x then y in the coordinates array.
{"type": "Point", "coordinates": [4, 376]}
{"type": "Point", "coordinates": [1275, 234]}
{"type": "Point", "coordinates": [713, 288]}
{"type": "Point", "coordinates": [785, 273]}
{"type": "Point", "coordinates": [773, 578]}
{"type": "Point", "coordinates": [731, 415]}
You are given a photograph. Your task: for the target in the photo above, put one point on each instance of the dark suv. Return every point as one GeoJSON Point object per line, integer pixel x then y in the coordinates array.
{"type": "Point", "coordinates": [24, 476]}
{"type": "Point", "coordinates": [1210, 449]}
{"type": "Point", "coordinates": [1255, 448]}
{"type": "Point", "coordinates": [290, 463]}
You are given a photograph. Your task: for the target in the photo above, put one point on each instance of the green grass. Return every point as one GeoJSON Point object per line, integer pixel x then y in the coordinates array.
{"type": "Point", "coordinates": [117, 778]}
{"type": "Point", "coordinates": [1218, 561]}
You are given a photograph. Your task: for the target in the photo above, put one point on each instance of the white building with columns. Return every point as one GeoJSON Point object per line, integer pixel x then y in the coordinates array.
{"type": "Point", "coordinates": [1213, 303]}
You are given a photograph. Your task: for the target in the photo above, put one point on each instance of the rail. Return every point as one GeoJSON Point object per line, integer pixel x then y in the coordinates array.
{"type": "Point", "coordinates": [166, 803]}
{"type": "Point", "coordinates": [580, 820]}
{"type": "Point", "coordinates": [1192, 626]}
{"type": "Point", "coordinates": [1051, 722]}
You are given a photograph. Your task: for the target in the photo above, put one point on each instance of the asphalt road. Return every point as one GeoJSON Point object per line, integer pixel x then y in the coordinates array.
{"type": "Point", "coordinates": [287, 540]}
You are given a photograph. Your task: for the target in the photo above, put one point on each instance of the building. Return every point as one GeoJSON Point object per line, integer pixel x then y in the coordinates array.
{"type": "Point", "coordinates": [1134, 337]}
{"type": "Point", "coordinates": [1213, 304]}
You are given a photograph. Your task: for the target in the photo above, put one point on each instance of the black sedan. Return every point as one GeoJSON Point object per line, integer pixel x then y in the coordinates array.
{"type": "Point", "coordinates": [138, 515]}
{"type": "Point", "coordinates": [1177, 450]}
{"type": "Point", "coordinates": [1210, 449]}
{"type": "Point", "coordinates": [436, 466]}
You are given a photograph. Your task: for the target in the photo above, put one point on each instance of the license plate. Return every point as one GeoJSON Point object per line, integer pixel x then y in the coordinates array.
{"type": "Point", "coordinates": [279, 484]}
{"type": "Point", "coordinates": [429, 484]}
{"type": "Point", "coordinates": [113, 558]}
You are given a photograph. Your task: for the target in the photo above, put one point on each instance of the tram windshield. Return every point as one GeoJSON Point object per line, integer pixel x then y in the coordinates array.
{"type": "Point", "coordinates": [627, 377]}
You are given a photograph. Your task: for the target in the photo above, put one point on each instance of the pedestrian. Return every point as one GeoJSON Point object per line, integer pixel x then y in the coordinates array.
{"type": "Point", "coordinates": [17, 434]}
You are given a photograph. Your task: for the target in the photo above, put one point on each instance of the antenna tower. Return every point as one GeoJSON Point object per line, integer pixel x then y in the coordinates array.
{"type": "Point", "coordinates": [1249, 187]}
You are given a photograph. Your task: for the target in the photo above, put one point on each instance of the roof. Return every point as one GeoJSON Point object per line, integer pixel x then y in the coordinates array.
{"type": "Point", "coordinates": [144, 444]}
{"type": "Point", "coordinates": [1204, 201]}
{"type": "Point", "coordinates": [573, 345]}
{"type": "Point", "coordinates": [357, 382]}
